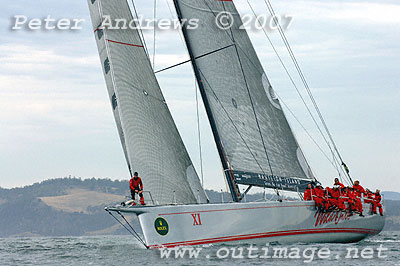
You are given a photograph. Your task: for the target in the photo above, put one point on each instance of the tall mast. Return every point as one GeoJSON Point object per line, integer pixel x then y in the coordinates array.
{"type": "Point", "coordinates": [234, 190]}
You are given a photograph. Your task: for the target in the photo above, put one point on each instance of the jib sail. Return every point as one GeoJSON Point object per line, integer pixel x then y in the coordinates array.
{"type": "Point", "coordinates": [150, 139]}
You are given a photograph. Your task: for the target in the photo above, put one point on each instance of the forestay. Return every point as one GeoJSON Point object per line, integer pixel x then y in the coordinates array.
{"type": "Point", "coordinates": [257, 140]}
{"type": "Point", "coordinates": [150, 139]}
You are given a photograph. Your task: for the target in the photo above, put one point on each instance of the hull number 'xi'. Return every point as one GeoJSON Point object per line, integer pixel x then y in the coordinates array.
{"type": "Point", "coordinates": [196, 219]}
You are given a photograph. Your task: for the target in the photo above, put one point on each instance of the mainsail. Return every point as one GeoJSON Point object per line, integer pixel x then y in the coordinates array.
{"type": "Point", "coordinates": [256, 144]}
{"type": "Point", "coordinates": [150, 139]}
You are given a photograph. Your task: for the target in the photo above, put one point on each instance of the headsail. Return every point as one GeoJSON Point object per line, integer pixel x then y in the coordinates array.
{"type": "Point", "coordinates": [151, 141]}
{"type": "Point", "coordinates": [256, 138]}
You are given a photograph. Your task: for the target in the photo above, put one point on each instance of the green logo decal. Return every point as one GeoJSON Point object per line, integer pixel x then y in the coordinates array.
{"type": "Point", "coordinates": [161, 226]}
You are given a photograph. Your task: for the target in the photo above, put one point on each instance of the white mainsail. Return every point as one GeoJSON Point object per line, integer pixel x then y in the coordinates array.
{"type": "Point", "coordinates": [150, 139]}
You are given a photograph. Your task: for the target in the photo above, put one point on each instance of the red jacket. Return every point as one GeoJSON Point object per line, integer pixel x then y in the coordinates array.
{"type": "Point", "coordinates": [358, 190]}
{"type": "Point", "coordinates": [340, 184]}
{"type": "Point", "coordinates": [319, 192]}
{"type": "Point", "coordinates": [308, 194]}
{"type": "Point", "coordinates": [335, 193]}
{"type": "Point", "coordinates": [135, 184]}
{"type": "Point", "coordinates": [377, 197]}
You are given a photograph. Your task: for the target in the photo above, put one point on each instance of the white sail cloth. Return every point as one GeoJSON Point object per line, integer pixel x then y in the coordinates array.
{"type": "Point", "coordinates": [150, 139]}
{"type": "Point", "coordinates": [256, 136]}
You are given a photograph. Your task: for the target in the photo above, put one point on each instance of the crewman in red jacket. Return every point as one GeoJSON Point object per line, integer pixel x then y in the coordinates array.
{"type": "Point", "coordinates": [337, 194]}
{"type": "Point", "coordinates": [136, 186]}
{"type": "Point", "coordinates": [356, 201]}
{"type": "Point", "coordinates": [320, 199]}
{"type": "Point", "coordinates": [337, 183]}
{"type": "Point", "coordinates": [369, 198]}
{"type": "Point", "coordinates": [358, 189]}
{"type": "Point", "coordinates": [331, 197]}
{"type": "Point", "coordinates": [377, 202]}
{"type": "Point", "coordinates": [308, 193]}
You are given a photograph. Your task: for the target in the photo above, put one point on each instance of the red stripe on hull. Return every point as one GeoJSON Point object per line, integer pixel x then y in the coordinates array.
{"type": "Point", "coordinates": [265, 235]}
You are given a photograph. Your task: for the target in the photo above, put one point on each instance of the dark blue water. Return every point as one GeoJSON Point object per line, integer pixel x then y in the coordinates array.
{"type": "Point", "coordinates": [124, 250]}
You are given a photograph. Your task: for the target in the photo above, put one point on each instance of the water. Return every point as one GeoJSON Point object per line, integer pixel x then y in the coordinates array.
{"type": "Point", "coordinates": [124, 250]}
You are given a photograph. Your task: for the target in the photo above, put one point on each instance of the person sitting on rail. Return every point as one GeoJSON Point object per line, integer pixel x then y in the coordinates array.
{"type": "Point", "coordinates": [330, 198]}
{"type": "Point", "coordinates": [369, 199]}
{"type": "Point", "coordinates": [358, 189]}
{"type": "Point", "coordinates": [335, 200]}
{"type": "Point", "coordinates": [368, 196]}
{"type": "Point", "coordinates": [338, 194]}
{"type": "Point", "coordinates": [377, 202]}
{"type": "Point", "coordinates": [309, 192]}
{"type": "Point", "coordinates": [345, 196]}
{"type": "Point", "coordinates": [320, 199]}
{"type": "Point", "coordinates": [351, 200]}
{"type": "Point", "coordinates": [356, 202]}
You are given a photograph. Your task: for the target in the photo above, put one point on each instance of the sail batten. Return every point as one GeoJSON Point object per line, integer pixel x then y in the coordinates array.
{"type": "Point", "coordinates": [150, 139]}
{"type": "Point", "coordinates": [255, 135]}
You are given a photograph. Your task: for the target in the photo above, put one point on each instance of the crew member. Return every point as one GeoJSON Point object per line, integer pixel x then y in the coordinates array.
{"type": "Point", "coordinates": [337, 194]}
{"type": "Point", "coordinates": [337, 183]}
{"type": "Point", "coordinates": [136, 186]}
{"type": "Point", "coordinates": [358, 189]}
{"type": "Point", "coordinates": [369, 198]}
{"type": "Point", "coordinates": [377, 202]}
{"type": "Point", "coordinates": [308, 193]}
{"type": "Point", "coordinates": [320, 199]}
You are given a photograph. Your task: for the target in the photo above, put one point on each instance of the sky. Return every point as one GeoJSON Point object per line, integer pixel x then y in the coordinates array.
{"type": "Point", "coordinates": [56, 120]}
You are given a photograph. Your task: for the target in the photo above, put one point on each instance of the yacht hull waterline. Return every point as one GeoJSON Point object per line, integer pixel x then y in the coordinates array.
{"type": "Point", "coordinates": [253, 223]}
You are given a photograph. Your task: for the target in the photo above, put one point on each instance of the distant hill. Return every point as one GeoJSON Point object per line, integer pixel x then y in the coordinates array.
{"type": "Point", "coordinates": [389, 195]}
{"type": "Point", "coordinates": [75, 207]}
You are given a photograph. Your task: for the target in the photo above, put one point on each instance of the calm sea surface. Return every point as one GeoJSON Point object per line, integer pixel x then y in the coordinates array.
{"type": "Point", "coordinates": [124, 250]}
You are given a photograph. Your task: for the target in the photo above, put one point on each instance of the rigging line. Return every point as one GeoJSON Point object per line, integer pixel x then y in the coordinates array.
{"type": "Point", "coordinates": [198, 57]}
{"type": "Point", "coordinates": [154, 34]}
{"type": "Point", "coordinates": [252, 104]}
{"type": "Point", "coordinates": [127, 229]}
{"type": "Point", "coordinates": [199, 133]}
{"type": "Point", "coordinates": [291, 78]}
{"type": "Point", "coordinates": [233, 123]}
{"type": "Point", "coordinates": [141, 35]}
{"type": "Point", "coordinates": [304, 128]}
{"type": "Point", "coordinates": [267, 2]}
{"type": "Point", "coordinates": [123, 217]}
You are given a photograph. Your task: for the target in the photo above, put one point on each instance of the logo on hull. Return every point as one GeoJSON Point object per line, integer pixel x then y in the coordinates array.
{"type": "Point", "coordinates": [330, 217]}
{"type": "Point", "coordinates": [161, 226]}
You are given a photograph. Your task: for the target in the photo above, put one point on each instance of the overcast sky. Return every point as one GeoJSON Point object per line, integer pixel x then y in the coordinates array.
{"type": "Point", "coordinates": [56, 120]}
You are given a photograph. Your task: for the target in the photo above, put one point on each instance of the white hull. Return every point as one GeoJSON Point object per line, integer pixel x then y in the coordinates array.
{"type": "Point", "coordinates": [256, 222]}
